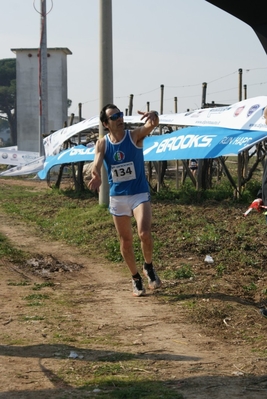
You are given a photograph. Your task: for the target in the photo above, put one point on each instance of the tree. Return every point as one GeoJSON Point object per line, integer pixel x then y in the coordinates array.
{"type": "Point", "coordinates": [8, 95]}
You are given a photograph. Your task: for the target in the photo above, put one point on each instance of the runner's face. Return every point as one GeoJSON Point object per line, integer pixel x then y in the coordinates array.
{"type": "Point", "coordinates": [118, 117]}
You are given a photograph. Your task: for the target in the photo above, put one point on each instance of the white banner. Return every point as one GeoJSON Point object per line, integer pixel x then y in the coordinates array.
{"type": "Point", "coordinates": [53, 142]}
{"type": "Point", "coordinates": [14, 147]}
{"type": "Point", "coordinates": [11, 156]}
{"type": "Point", "coordinates": [32, 167]}
{"type": "Point", "coordinates": [245, 115]}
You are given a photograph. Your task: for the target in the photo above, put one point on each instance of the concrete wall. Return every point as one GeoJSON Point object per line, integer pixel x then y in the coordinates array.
{"type": "Point", "coordinates": [28, 121]}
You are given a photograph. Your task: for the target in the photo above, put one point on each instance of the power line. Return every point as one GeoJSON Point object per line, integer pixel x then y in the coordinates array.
{"type": "Point", "coordinates": [192, 85]}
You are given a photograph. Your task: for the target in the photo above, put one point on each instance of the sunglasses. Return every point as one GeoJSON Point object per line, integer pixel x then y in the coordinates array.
{"type": "Point", "coordinates": [116, 116]}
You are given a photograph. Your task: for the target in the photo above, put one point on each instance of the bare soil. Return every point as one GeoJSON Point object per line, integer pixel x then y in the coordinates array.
{"type": "Point", "coordinates": [194, 360]}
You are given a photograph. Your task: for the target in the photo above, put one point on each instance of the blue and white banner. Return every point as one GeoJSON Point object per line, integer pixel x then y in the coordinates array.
{"type": "Point", "coordinates": [200, 143]}
{"type": "Point", "coordinates": [213, 132]}
{"type": "Point", "coordinates": [72, 155]}
{"type": "Point", "coordinates": [190, 142]}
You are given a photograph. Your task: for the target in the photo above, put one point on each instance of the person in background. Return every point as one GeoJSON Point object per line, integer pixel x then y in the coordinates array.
{"type": "Point", "coordinates": [121, 151]}
{"type": "Point", "coordinates": [193, 165]}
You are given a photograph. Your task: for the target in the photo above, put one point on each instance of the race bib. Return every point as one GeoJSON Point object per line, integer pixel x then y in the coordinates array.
{"type": "Point", "coordinates": [123, 172]}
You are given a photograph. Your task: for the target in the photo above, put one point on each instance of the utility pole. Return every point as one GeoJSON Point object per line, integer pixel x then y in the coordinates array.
{"type": "Point", "coordinates": [160, 163]}
{"type": "Point", "coordinates": [43, 101]}
{"type": "Point", "coordinates": [240, 72]}
{"type": "Point", "coordinates": [131, 104]}
{"type": "Point", "coordinates": [105, 78]}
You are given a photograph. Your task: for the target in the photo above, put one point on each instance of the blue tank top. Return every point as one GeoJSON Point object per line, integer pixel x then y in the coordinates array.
{"type": "Point", "coordinates": [124, 162]}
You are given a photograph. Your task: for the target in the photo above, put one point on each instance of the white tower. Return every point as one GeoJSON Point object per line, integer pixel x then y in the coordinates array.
{"type": "Point", "coordinates": [27, 71]}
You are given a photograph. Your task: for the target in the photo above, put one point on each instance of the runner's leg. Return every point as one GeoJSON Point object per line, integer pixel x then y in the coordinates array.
{"type": "Point", "coordinates": [124, 228]}
{"type": "Point", "coordinates": [143, 216]}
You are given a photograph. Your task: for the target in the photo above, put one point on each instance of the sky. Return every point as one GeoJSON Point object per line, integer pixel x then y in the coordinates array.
{"type": "Point", "coordinates": [175, 43]}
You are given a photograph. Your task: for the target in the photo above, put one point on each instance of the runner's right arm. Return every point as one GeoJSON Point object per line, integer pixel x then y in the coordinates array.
{"type": "Point", "coordinates": [95, 182]}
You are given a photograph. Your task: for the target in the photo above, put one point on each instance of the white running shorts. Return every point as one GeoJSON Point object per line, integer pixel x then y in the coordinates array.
{"type": "Point", "coordinates": [123, 205]}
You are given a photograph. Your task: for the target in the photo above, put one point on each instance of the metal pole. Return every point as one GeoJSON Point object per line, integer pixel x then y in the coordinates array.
{"type": "Point", "coordinates": [240, 71]}
{"type": "Point", "coordinates": [177, 162]}
{"type": "Point", "coordinates": [240, 156]}
{"type": "Point", "coordinates": [80, 111]}
{"type": "Point", "coordinates": [175, 105]}
{"type": "Point", "coordinates": [43, 104]}
{"type": "Point", "coordinates": [160, 132]}
{"type": "Point", "coordinates": [245, 92]}
{"type": "Point", "coordinates": [199, 183]}
{"type": "Point", "coordinates": [204, 92]}
{"type": "Point", "coordinates": [105, 77]}
{"type": "Point", "coordinates": [80, 118]}
{"type": "Point", "coordinates": [161, 98]}
{"type": "Point", "coordinates": [131, 104]}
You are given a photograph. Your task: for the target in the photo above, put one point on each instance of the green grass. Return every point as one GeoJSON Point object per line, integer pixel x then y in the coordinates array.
{"type": "Point", "coordinates": [184, 272]}
{"type": "Point", "coordinates": [19, 284]}
{"type": "Point", "coordinates": [33, 318]}
{"type": "Point", "coordinates": [39, 286]}
{"type": "Point", "coordinates": [186, 227]}
{"type": "Point", "coordinates": [8, 251]}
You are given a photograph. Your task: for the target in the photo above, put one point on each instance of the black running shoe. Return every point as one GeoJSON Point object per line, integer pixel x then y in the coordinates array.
{"type": "Point", "coordinates": [138, 289]}
{"type": "Point", "coordinates": [152, 278]}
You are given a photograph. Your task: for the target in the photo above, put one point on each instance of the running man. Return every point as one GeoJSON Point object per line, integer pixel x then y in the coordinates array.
{"type": "Point", "coordinates": [121, 151]}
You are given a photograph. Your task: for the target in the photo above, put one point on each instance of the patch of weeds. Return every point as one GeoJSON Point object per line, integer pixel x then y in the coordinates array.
{"type": "Point", "coordinates": [7, 250]}
{"type": "Point", "coordinates": [35, 299]}
{"type": "Point", "coordinates": [57, 336]}
{"type": "Point", "coordinates": [33, 318]}
{"type": "Point", "coordinates": [190, 304]}
{"type": "Point", "coordinates": [141, 388]}
{"type": "Point", "coordinates": [113, 250]}
{"type": "Point", "coordinates": [260, 352]}
{"type": "Point", "coordinates": [209, 234]}
{"type": "Point", "coordinates": [19, 284]}
{"type": "Point", "coordinates": [121, 380]}
{"type": "Point", "coordinates": [252, 339]}
{"type": "Point", "coordinates": [80, 393]}
{"type": "Point", "coordinates": [120, 356]}
{"type": "Point", "coordinates": [220, 269]}
{"type": "Point", "coordinates": [36, 296]}
{"type": "Point", "coordinates": [157, 248]}
{"type": "Point", "coordinates": [38, 287]}
{"type": "Point", "coordinates": [185, 271]}
{"type": "Point", "coordinates": [37, 303]}
{"type": "Point", "coordinates": [250, 287]}
{"type": "Point", "coordinates": [173, 297]}
{"type": "Point", "coordinates": [108, 369]}
{"type": "Point", "coordinates": [68, 339]}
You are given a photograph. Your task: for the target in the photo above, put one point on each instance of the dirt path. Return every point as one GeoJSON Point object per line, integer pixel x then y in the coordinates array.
{"type": "Point", "coordinates": [104, 311]}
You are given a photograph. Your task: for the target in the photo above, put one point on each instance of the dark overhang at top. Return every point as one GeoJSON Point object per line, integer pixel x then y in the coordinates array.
{"type": "Point", "coordinates": [252, 13]}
